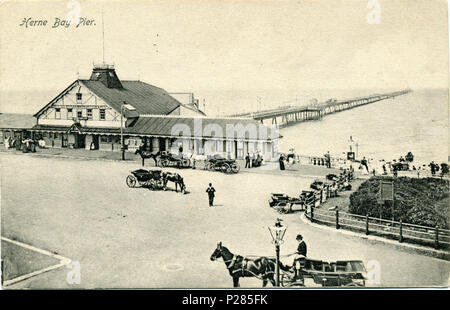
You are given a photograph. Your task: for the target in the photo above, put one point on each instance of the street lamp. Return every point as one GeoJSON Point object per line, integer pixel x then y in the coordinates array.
{"type": "Point", "coordinates": [277, 232]}
{"type": "Point", "coordinates": [122, 149]}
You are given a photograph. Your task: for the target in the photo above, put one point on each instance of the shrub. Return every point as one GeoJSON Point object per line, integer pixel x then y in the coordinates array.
{"type": "Point", "coordinates": [416, 201]}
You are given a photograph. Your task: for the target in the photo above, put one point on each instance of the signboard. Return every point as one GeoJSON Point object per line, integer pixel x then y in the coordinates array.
{"type": "Point", "coordinates": [351, 155]}
{"type": "Point", "coordinates": [386, 191]}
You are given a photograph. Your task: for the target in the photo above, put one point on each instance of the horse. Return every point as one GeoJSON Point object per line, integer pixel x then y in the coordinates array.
{"type": "Point", "coordinates": [175, 178]}
{"type": "Point", "coordinates": [147, 154]}
{"type": "Point", "coordinates": [238, 266]}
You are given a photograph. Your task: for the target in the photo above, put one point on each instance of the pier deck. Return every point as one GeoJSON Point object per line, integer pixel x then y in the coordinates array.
{"type": "Point", "coordinates": [285, 116]}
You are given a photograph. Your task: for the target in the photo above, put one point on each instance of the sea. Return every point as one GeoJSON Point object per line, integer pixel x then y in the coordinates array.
{"type": "Point", "coordinates": [417, 122]}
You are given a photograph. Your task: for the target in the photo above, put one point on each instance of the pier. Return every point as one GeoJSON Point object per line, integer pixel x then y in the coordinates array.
{"type": "Point", "coordinates": [285, 116]}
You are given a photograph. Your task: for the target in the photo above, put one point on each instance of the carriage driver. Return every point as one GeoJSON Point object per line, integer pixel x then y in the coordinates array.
{"type": "Point", "coordinates": [300, 254]}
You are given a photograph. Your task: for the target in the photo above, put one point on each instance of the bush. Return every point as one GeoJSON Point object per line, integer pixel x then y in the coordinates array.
{"type": "Point", "coordinates": [417, 201]}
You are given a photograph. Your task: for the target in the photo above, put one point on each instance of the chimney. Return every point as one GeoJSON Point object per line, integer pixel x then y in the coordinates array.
{"type": "Point", "coordinates": [107, 75]}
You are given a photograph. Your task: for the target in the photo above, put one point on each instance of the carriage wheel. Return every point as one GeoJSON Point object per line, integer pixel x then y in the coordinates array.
{"type": "Point", "coordinates": [225, 168]}
{"type": "Point", "coordinates": [186, 163]}
{"type": "Point", "coordinates": [160, 183]}
{"type": "Point", "coordinates": [235, 167]}
{"type": "Point", "coordinates": [164, 162]}
{"type": "Point", "coordinates": [131, 181]}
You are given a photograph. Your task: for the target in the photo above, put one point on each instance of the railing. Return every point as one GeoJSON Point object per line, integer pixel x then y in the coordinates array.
{"type": "Point", "coordinates": [404, 232]}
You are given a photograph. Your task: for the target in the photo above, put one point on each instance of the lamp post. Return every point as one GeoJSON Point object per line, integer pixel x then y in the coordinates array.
{"type": "Point", "coordinates": [277, 232]}
{"type": "Point", "coordinates": [122, 149]}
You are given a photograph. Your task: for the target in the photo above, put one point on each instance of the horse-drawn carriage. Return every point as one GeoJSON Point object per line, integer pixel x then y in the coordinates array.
{"type": "Point", "coordinates": [222, 164]}
{"type": "Point", "coordinates": [167, 159]}
{"type": "Point", "coordinates": [285, 204]}
{"type": "Point", "coordinates": [146, 178]}
{"type": "Point", "coordinates": [320, 273]}
{"type": "Point", "coordinates": [305, 272]}
{"type": "Point", "coordinates": [155, 179]}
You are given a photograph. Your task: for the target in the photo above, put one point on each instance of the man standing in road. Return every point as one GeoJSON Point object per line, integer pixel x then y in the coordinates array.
{"type": "Point", "coordinates": [211, 190]}
{"type": "Point", "coordinates": [247, 161]}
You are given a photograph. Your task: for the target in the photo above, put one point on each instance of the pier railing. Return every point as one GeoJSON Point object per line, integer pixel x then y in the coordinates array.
{"type": "Point", "coordinates": [403, 232]}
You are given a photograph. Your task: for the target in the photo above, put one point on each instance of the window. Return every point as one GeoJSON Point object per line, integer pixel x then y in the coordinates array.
{"type": "Point", "coordinates": [103, 139]}
{"type": "Point", "coordinates": [57, 113]}
{"type": "Point", "coordinates": [79, 114]}
{"type": "Point", "coordinates": [102, 114]}
{"type": "Point", "coordinates": [89, 113]}
{"type": "Point", "coordinates": [79, 96]}
{"type": "Point", "coordinates": [69, 113]}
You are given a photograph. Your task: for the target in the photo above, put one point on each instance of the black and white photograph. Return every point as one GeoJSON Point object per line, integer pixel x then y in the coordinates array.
{"type": "Point", "coordinates": [224, 144]}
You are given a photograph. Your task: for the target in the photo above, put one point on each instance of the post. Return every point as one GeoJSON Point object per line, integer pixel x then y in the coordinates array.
{"type": "Point", "coordinates": [401, 231]}
{"type": "Point", "coordinates": [321, 196]}
{"type": "Point", "coordinates": [367, 224]}
{"type": "Point", "coordinates": [337, 219]}
{"type": "Point", "coordinates": [436, 237]}
{"type": "Point", "coordinates": [277, 278]}
{"type": "Point", "coordinates": [121, 133]}
{"type": "Point", "coordinates": [312, 214]}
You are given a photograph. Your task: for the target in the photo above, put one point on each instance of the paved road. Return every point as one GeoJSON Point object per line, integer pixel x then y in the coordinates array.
{"type": "Point", "coordinates": [125, 237]}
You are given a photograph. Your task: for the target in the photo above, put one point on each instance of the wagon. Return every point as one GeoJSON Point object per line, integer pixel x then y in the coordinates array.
{"type": "Point", "coordinates": [339, 273]}
{"type": "Point", "coordinates": [223, 165]}
{"type": "Point", "coordinates": [284, 203]}
{"type": "Point", "coordinates": [146, 178]}
{"type": "Point", "coordinates": [168, 160]}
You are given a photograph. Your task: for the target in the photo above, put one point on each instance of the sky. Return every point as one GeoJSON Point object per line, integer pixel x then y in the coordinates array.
{"type": "Point", "coordinates": [228, 52]}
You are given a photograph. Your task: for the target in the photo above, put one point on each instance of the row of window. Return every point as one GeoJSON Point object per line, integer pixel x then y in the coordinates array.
{"type": "Point", "coordinates": [79, 114]}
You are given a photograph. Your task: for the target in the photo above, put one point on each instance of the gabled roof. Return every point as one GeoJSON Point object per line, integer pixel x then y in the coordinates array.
{"type": "Point", "coordinates": [145, 98]}
{"type": "Point", "coordinates": [16, 121]}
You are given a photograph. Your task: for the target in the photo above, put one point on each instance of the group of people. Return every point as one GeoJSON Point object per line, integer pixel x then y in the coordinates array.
{"type": "Point", "coordinates": [253, 161]}
{"type": "Point", "coordinates": [25, 144]}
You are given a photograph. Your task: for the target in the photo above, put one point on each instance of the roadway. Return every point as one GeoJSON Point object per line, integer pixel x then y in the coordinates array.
{"type": "Point", "coordinates": [137, 238]}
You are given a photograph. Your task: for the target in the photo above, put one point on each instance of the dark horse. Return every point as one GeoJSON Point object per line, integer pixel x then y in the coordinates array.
{"type": "Point", "coordinates": [175, 178]}
{"type": "Point", "coordinates": [147, 154]}
{"type": "Point", "coordinates": [238, 266]}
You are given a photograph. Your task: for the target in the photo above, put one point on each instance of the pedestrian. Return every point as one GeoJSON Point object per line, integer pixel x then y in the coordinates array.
{"type": "Point", "coordinates": [364, 164]}
{"type": "Point", "coordinates": [247, 161]}
{"type": "Point", "coordinates": [211, 190]}
{"type": "Point", "coordinates": [180, 150]}
{"type": "Point", "coordinates": [433, 168]}
{"type": "Point", "coordinates": [281, 160]}
{"type": "Point", "coordinates": [7, 142]}
{"type": "Point", "coordinates": [328, 159]}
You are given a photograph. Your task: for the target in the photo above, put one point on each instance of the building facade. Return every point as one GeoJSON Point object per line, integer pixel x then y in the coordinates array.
{"type": "Point", "coordinates": [96, 113]}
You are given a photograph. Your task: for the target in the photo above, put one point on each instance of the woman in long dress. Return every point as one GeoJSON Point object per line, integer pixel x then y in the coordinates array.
{"type": "Point", "coordinates": [282, 162]}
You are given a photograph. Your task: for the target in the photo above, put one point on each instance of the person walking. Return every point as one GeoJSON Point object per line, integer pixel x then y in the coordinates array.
{"type": "Point", "coordinates": [211, 190]}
